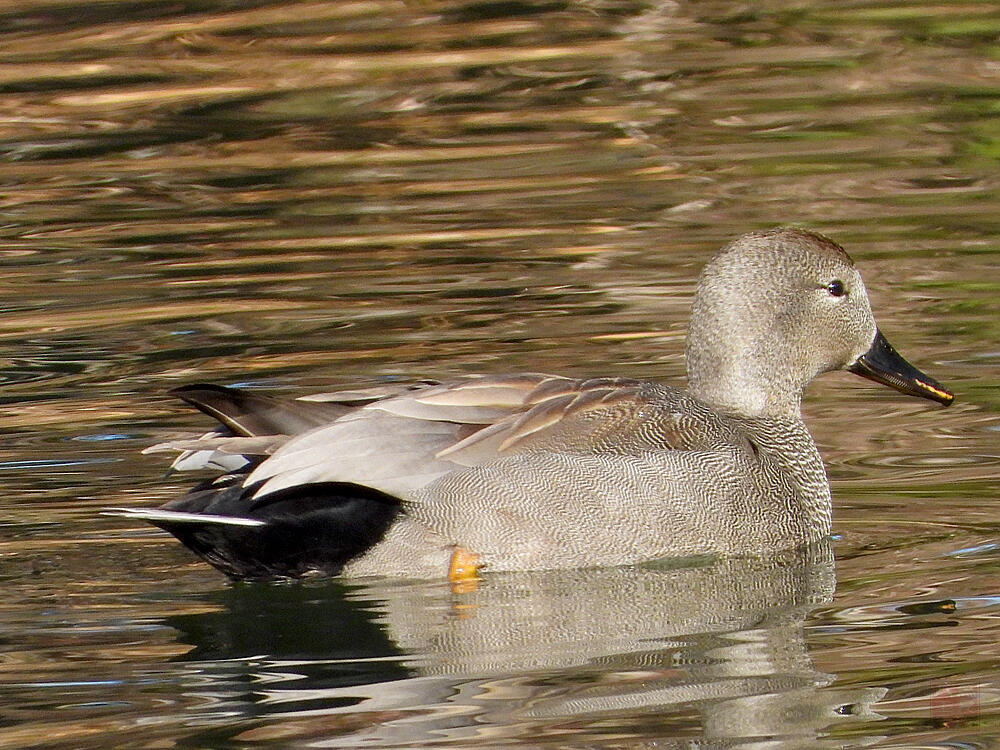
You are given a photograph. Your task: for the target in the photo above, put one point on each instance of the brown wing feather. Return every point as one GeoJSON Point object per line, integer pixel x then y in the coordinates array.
{"type": "Point", "coordinates": [476, 399]}
{"type": "Point", "coordinates": [363, 396]}
{"type": "Point", "coordinates": [553, 404]}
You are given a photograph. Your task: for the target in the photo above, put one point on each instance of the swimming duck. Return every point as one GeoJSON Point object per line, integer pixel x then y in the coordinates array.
{"type": "Point", "coordinates": [535, 471]}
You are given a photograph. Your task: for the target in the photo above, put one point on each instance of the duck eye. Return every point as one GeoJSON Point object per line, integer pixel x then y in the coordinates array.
{"type": "Point", "coordinates": [836, 288]}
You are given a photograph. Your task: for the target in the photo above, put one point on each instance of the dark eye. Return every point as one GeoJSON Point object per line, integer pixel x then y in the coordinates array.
{"type": "Point", "coordinates": [836, 288]}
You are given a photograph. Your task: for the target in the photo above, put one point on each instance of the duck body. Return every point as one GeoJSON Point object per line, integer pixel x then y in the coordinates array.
{"type": "Point", "coordinates": [534, 471]}
{"type": "Point", "coordinates": [591, 490]}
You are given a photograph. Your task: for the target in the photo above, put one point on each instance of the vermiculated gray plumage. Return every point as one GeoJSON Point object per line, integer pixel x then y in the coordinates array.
{"type": "Point", "coordinates": [534, 471]}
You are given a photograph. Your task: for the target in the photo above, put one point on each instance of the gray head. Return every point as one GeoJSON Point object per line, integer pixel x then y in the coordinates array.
{"type": "Point", "coordinates": [775, 309]}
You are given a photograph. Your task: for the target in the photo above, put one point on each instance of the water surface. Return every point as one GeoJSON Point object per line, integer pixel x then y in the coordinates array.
{"type": "Point", "coordinates": [312, 195]}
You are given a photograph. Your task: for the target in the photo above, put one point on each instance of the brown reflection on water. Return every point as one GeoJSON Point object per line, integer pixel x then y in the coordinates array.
{"type": "Point", "coordinates": [308, 195]}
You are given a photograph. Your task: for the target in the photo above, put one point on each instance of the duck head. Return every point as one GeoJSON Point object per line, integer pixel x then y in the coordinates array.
{"type": "Point", "coordinates": [775, 309]}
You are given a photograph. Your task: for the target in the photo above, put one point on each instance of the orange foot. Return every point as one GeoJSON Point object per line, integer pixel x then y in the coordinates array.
{"type": "Point", "coordinates": [463, 572]}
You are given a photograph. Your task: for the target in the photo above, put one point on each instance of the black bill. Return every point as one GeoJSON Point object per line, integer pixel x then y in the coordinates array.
{"type": "Point", "coordinates": [883, 364]}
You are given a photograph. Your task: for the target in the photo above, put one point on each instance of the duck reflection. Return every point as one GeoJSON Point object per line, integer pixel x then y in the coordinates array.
{"type": "Point", "coordinates": [709, 649]}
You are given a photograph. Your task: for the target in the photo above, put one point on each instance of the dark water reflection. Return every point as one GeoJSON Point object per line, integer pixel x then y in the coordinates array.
{"type": "Point", "coordinates": [304, 195]}
{"type": "Point", "coordinates": [716, 646]}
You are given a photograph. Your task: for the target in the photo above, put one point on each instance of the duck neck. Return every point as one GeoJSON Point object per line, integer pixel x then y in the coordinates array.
{"type": "Point", "coordinates": [737, 358]}
{"type": "Point", "coordinates": [734, 386]}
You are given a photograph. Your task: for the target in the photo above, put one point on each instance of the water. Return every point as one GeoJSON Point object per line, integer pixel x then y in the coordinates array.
{"type": "Point", "coordinates": [311, 195]}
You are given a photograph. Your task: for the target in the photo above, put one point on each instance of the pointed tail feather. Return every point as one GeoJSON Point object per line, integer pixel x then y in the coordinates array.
{"type": "Point", "coordinates": [252, 414]}
{"type": "Point", "coordinates": [152, 515]}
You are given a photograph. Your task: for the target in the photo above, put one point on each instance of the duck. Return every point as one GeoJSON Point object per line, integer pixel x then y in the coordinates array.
{"type": "Point", "coordinates": [530, 471]}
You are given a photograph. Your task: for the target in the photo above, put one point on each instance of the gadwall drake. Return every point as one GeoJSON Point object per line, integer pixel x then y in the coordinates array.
{"type": "Point", "coordinates": [533, 471]}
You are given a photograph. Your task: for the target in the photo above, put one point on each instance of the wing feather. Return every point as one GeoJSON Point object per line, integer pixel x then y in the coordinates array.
{"type": "Point", "coordinates": [400, 439]}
